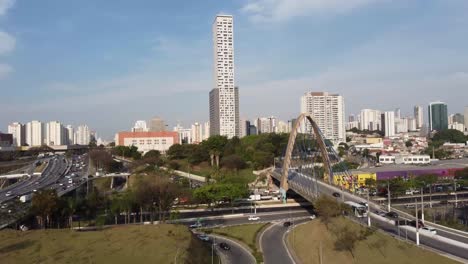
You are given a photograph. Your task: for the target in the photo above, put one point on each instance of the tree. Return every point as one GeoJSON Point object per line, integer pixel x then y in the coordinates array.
{"type": "Point", "coordinates": [450, 135]}
{"type": "Point", "coordinates": [176, 151]}
{"type": "Point", "coordinates": [233, 162]}
{"type": "Point", "coordinates": [427, 180]}
{"type": "Point", "coordinates": [71, 208]}
{"type": "Point", "coordinates": [365, 153]}
{"type": "Point", "coordinates": [262, 159]}
{"type": "Point", "coordinates": [44, 205]}
{"type": "Point", "coordinates": [370, 183]}
{"type": "Point", "coordinates": [408, 144]}
{"type": "Point", "coordinates": [327, 208]}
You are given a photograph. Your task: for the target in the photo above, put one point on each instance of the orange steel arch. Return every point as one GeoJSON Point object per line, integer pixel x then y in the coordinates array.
{"type": "Point", "coordinates": [292, 139]}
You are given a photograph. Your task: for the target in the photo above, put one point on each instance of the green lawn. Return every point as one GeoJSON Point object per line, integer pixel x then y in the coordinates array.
{"type": "Point", "coordinates": [378, 248]}
{"type": "Point", "coordinates": [122, 244]}
{"type": "Point", "coordinates": [246, 234]}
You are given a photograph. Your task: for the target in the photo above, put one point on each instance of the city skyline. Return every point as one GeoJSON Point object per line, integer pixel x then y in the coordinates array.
{"type": "Point", "coordinates": [142, 66]}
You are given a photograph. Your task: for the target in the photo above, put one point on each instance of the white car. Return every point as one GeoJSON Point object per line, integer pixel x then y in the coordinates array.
{"type": "Point", "coordinates": [253, 218]}
{"type": "Point", "coordinates": [429, 230]}
{"type": "Point", "coordinates": [196, 225]}
{"type": "Point", "coordinates": [312, 217]}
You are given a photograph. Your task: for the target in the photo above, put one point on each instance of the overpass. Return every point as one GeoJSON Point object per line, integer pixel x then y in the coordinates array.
{"type": "Point", "coordinates": [308, 146]}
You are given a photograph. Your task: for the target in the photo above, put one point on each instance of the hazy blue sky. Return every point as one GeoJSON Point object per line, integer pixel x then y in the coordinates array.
{"type": "Point", "coordinates": [110, 63]}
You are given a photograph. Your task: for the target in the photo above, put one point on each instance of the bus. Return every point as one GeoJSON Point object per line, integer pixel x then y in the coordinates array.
{"type": "Point", "coordinates": [359, 210]}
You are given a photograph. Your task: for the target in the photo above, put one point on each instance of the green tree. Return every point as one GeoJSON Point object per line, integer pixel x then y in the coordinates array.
{"type": "Point", "coordinates": [450, 135]}
{"type": "Point", "coordinates": [327, 208]}
{"type": "Point", "coordinates": [43, 205]}
{"type": "Point", "coordinates": [233, 162]}
{"type": "Point", "coordinates": [408, 144]}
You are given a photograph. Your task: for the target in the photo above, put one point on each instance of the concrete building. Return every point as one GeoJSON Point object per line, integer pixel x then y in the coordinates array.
{"type": "Point", "coordinates": [282, 127]}
{"type": "Point", "coordinates": [244, 125]}
{"type": "Point", "coordinates": [55, 134]}
{"type": "Point", "coordinates": [184, 134]}
{"type": "Point", "coordinates": [206, 130]}
{"type": "Point", "coordinates": [146, 141]}
{"type": "Point", "coordinates": [6, 140]}
{"type": "Point", "coordinates": [18, 132]}
{"type": "Point", "coordinates": [156, 125]}
{"type": "Point", "coordinates": [141, 126]}
{"type": "Point", "coordinates": [388, 123]}
{"type": "Point", "coordinates": [456, 118]}
{"type": "Point", "coordinates": [35, 133]}
{"type": "Point", "coordinates": [412, 124]}
{"type": "Point", "coordinates": [370, 119]}
{"type": "Point", "coordinates": [197, 133]}
{"type": "Point", "coordinates": [82, 135]}
{"type": "Point", "coordinates": [419, 116]}
{"type": "Point", "coordinates": [401, 125]}
{"type": "Point", "coordinates": [351, 125]}
{"type": "Point", "coordinates": [438, 117]}
{"type": "Point", "coordinates": [224, 98]}
{"type": "Point", "coordinates": [328, 110]}
{"type": "Point", "coordinates": [457, 126]}
{"type": "Point", "coordinates": [266, 125]}
{"type": "Point", "coordinates": [70, 135]}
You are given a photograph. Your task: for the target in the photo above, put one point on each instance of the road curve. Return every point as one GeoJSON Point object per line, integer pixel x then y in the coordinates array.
{"type": "Point", "coordinates": [273, 242]}
{"type": "Point", "coordinates": [237, 254]}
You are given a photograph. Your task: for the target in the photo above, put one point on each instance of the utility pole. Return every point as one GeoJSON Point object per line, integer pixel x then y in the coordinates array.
{"type": "Point", "coordinates": [388, 194]}
{"type": "Point", "coordinates": [422, 204]}
{"type": "Point", "coordinates": [368, 209]}
{"type": "Point", "coordinates": [417, 224]}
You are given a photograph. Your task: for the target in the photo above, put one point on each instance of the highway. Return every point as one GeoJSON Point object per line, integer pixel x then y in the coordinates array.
{"type": "Point", "coordinates": [273, 242]}
{"type": "Point", "coordinates": [447, 240]}
{"type": "Point", "coordinates": [236, 254]}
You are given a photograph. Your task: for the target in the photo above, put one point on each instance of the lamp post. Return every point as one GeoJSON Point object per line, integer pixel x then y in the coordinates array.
{"type": "Point", "coordinates": [388, 195]}
{"type": "Point", "coordinates": [422, 204]}
{"type": "Point", "coordinates": [368, 209]}
{"type": "Point", "coordinates": [417, 223]}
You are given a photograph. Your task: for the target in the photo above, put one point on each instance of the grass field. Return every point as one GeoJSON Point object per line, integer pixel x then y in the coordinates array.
{"type": "Point", "coordinates": [378, 248]}
{"type": "Point", "coordinates": [246, 234]}
{"type": "Point", "coordinates": [123, 244]}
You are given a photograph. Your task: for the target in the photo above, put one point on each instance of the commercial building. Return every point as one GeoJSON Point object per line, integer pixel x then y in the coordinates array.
{"type": "Point", "coordinates": [419, 116]}
{"type": "Point", "coordinates": [456, 118]}
{"type": "Point", "coordinates": [388, 123]}
{"type": "Point", "coordinates": [404, 159]}
{"type": "Point", "coordinates": [18, 132]}
{"type": "Point", "coordinates": [197, 133]}
{"type": "Point", "coordinates": [328, 110]}
{"type": "Point", "coordinates": [146, 141]}
{"type": "Point", "coordinates": [157, 125]}
{"type": "Point", "coordinates": [224, 98]}
{"type": "Point", "coordinates": [266, 125]}
{"type": "Point", "coordinates": [438, 117]}
{"type": "Point", "coordinates": [370, 119]}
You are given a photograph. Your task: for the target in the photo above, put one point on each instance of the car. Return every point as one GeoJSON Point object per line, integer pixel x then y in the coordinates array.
{"type": "Point", "coordinates": [253, 218]}
{"type": "Point", "coordinates": [7, 194]}
{"type": "Point", "coordinates": [287, 224]}
{"type": "Point", "coordinates": [34, 190]}
{"type": "Point", "coordinates": [61, 184]}
{"type": "Point", "coordinates": [204, 238]}
{"type": "Point", "coordinates": [381, 213]}
{"type": "Point", "coordinates": [429, 230]}
{"type": "Point", "coordinates": [364, 204]}
{"type": "Point", "coordinates": [312, 217]}
{"type": "Point", "coordinates": [392, 215]}
{"type": "Point", "coordinates": [335, 194]}
{"type": "Point", "coordinates": [196, 225]}
{"type": "Point", "coordinates": [224, 246]}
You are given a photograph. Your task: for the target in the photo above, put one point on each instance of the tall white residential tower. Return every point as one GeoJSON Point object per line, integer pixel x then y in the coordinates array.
{"type": "Point", "coordinates": [328, 110]}
{"type": "Point", "coordinates": [224, 98]}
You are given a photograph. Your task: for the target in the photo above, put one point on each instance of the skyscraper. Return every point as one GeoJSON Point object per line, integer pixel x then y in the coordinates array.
{"type": "Point", "coordinates": [224, 98]}
{"type": "Point", "coordinates": [70, 135]}
{"type": "Point", "coordinates": [140, 126]}
{"type": "Point", "coordinates": [82, 135]}
{"type": "Point", "coordinates": [419, 116]}
{"type": "Point", "coordinates": [55, 134]}
{"type": "Point", "coordinates": [388, 123]}
{"type": "Point", "coordinates": [328, 110]}
{"type": "Point", "coordinates": [438, 118]}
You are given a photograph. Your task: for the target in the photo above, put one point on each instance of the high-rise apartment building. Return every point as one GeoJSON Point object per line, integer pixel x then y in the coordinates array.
{"type": "Point", "coordinates": [18, 132]}
{"type": "Point", "coordinates": [388, 123]}
{"type": "Point", "coordinates": [370, 119]}
{"type": "Point", "coordinates": [224, 98]}
{"type": "Point", "coordinates": [55, 134]}
{"type": "Point", "coordinates": [35, 133]}
{"type": "Point", "coordinates": [419, 116]}
{"type": "Point", "coordinates": [70, 135]}
{"type": "Point", "coordinates": [328, 110]}
{"type": "Point", "coordinates": [82, 135]}
{"type": "Point", "coordinates": [156, 125]}
{"type": "Point", "coordinates": [438, 118]}
{"type": "Point", "coordinates": [266, 125]}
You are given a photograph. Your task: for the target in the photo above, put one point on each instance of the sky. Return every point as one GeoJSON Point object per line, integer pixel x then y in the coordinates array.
{"type": "Point", "coordinates": [109, 63]}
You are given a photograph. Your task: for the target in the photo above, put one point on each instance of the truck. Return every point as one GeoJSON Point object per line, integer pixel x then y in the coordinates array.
{"type": "Point", "coordinates": [26, 198]}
